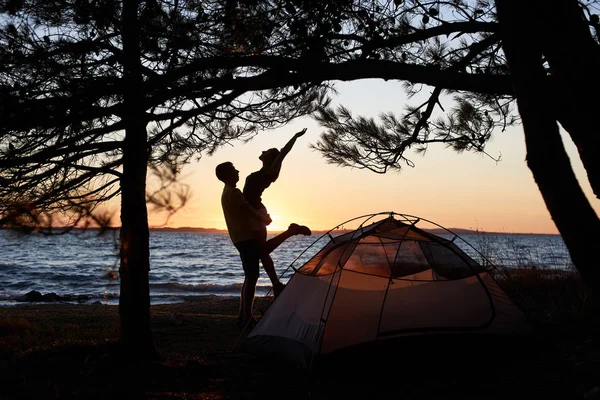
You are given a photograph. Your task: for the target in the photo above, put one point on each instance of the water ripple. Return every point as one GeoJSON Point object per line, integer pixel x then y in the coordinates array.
{"type": "Point", "coordinates": [187, 264]}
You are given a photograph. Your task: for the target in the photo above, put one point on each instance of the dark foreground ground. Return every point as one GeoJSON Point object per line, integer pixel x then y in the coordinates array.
{"type": "Point", "coordinates": [69, 351]}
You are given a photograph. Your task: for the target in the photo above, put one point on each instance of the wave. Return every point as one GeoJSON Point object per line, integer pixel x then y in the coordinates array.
{"type": "Point", "coordinates": [183, 254]}
{"type": "Point", "coordinates": [112, 298]}
{"type": "Point", "coordinates": [62, 298]}
{"type": "Point", "coordinates": [18, 290]}
{"type": "Point", "coordinates": [202, 287]}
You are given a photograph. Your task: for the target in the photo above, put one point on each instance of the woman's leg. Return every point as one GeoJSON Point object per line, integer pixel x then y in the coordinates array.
{"type": "Point", "coordinates": [276, 241]}
{"type": "Point", "coordinates": [267, 261]}
{"type": "Point", "coordinates": [269, 266]}
{"type": "Point", "coordinates": [267, 246]}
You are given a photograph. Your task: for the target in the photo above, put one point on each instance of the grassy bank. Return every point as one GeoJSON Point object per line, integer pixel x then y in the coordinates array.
{"type": "Point", "coordinates": [69, 351]}
{"type": "Point", "coordinates": [563, 314]}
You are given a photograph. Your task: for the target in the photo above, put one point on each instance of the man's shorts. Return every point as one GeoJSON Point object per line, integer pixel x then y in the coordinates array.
{"type": "Point", "coordinates": [250, 255]}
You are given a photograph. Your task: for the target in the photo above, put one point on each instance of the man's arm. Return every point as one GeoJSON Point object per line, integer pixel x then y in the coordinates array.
{"type": "Point", "coordinates": [245, 207]}
{"type": "Point", "coordinates": [276, 166]}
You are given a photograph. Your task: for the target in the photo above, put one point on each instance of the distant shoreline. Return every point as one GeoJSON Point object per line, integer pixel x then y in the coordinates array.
{"type": "Point", "coordinates": [436, 231]}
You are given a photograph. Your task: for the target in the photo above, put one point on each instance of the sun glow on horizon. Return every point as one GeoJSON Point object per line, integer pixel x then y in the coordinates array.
{"type": "Point", "coordinates": [277, 223]}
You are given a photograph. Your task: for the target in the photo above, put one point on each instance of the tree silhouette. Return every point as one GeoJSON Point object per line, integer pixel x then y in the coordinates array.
{"type": "Point", "coordinates": [94, 93]}
{"type": "Point", "coordinates": [526, 48]}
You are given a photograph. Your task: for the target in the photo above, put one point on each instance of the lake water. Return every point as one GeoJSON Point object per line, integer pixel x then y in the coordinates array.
{"type": "Point", "coordinates": [185, 264]}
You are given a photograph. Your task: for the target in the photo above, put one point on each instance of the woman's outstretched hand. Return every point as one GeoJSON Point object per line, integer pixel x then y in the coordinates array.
{"type": "Point", "coordinates": [302, 132]}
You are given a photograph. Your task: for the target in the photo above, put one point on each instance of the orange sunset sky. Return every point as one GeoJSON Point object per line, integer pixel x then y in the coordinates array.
{"type": "Point", "coordinates": [467, 190]}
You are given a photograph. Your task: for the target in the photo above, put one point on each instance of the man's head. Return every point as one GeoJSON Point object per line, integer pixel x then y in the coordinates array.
{"type": "Point", "coordinates": [269, 156]}
{"type": "Point", "coordinates": [227, 173]}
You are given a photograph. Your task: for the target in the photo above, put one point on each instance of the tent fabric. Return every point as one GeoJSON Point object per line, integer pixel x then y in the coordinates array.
{"type": "Point", "coordinates": [387, 280]}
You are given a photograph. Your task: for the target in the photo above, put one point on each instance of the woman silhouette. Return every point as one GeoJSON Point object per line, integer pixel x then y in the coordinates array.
{"type": "Point", "coordinates": [255, 185]}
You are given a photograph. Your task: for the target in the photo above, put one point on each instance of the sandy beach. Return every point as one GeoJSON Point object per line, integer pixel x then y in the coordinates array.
{"type": "Point", "coordinates": [68, 351]}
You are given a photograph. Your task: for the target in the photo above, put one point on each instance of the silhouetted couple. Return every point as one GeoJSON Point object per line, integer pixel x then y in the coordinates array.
{"type": "Point", "coordinates": [247, 219]}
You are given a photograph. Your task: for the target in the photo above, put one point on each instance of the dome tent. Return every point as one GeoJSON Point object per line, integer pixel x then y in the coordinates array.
{"type": "Point", "coordinates": [385, 280]}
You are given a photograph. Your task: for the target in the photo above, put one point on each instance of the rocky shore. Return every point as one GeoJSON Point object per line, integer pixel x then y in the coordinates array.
{"type": "Point", "coordinates": [37, 297]}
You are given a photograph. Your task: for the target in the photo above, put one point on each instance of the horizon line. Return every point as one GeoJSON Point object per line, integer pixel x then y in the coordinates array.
{"type": "Point", "coordinates": [449, 230]}
{"type": "Point", "coordinates": [218, 230]}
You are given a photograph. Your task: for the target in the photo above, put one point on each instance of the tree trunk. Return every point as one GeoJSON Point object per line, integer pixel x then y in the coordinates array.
{"type": "Point", "coordinates": [574, 60]}
{"type": "Point", "coordinates": [547, 159]}
{"type": "Point", "coordinates": [134, 299]}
